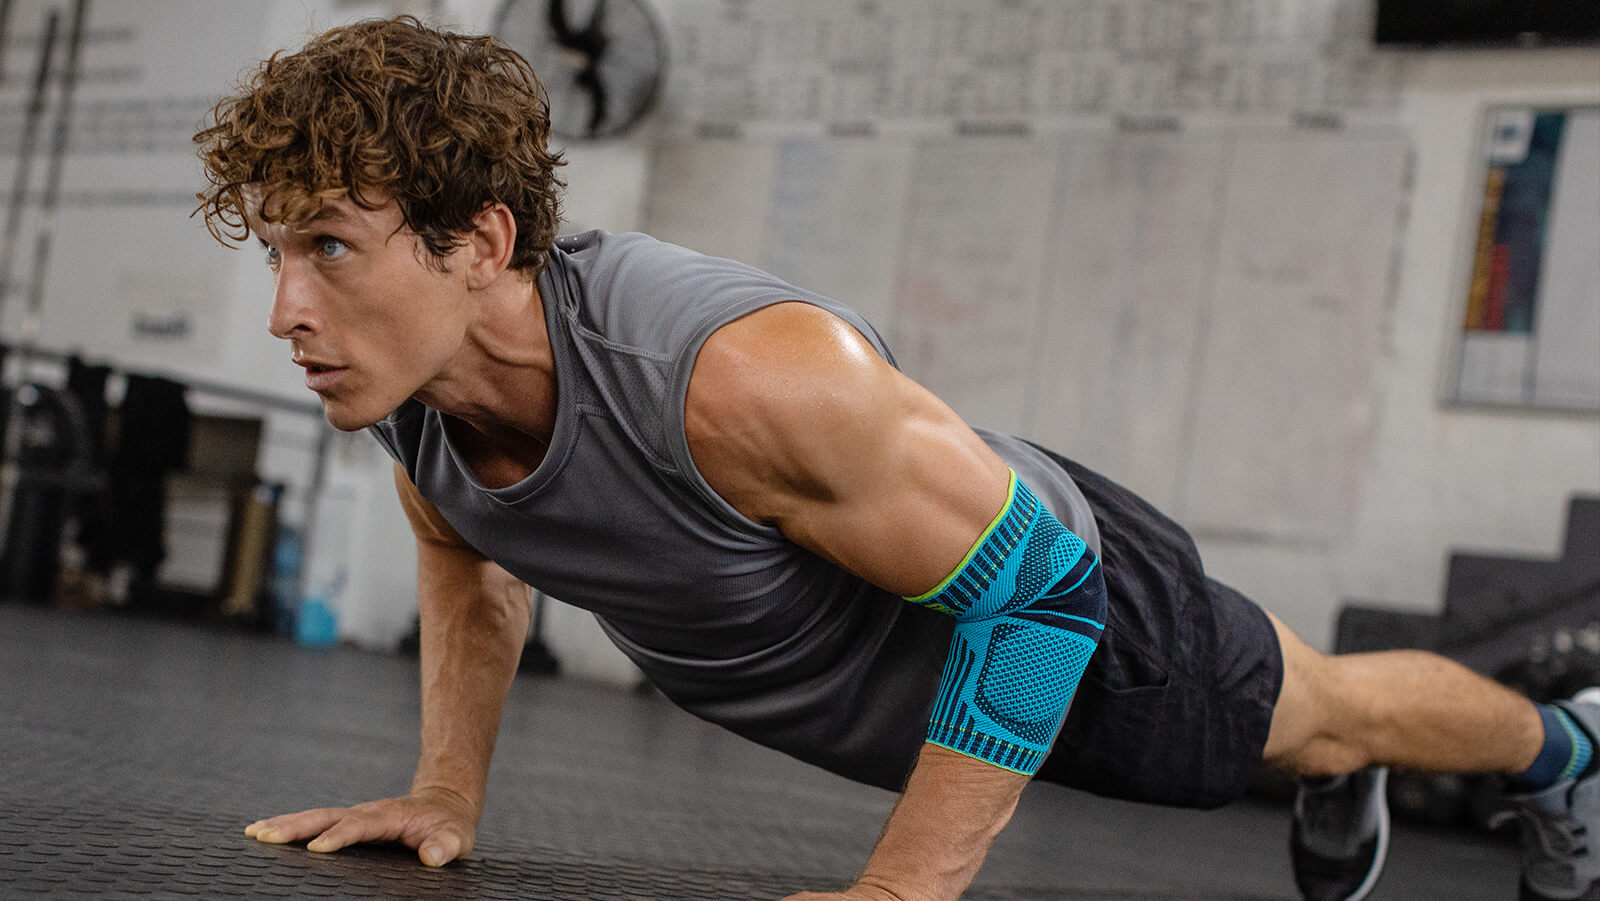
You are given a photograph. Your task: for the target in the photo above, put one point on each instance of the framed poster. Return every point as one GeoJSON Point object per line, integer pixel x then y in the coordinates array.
{"type": "Point", "coordinates": [1530, 333]}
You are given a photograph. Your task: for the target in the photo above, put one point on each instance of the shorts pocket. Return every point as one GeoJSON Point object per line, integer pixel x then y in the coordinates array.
{"type": "Point", "coordinates": [1111, 741]}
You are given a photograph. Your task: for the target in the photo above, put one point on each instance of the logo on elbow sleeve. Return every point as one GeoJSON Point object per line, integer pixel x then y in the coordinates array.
{"type": "Point", "coordinates": [1028, 677]}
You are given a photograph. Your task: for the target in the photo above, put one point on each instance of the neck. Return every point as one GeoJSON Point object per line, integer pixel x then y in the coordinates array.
{"type": "Point", "coordinates": [501, 391]}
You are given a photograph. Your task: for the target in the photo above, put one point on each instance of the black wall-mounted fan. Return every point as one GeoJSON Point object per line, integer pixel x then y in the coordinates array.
{"type": "Point", "coordinates": [602, 61]}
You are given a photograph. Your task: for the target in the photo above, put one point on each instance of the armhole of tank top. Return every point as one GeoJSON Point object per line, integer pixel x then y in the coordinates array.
{"type": "Point", "coordinates": [678, 398]}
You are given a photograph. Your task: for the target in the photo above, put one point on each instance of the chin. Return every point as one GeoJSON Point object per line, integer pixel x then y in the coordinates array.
{"type": "Point", "coordinates": [345, 419]}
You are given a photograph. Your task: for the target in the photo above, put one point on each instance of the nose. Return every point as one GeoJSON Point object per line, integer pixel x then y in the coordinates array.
{"type": "Point", "coordinates": [294, 313]}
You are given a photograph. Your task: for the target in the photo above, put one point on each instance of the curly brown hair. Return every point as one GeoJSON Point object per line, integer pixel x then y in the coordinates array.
{"type": "Point", "coordinates": [443, 124]}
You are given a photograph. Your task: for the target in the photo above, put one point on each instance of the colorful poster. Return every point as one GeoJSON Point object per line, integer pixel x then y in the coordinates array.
{"type": "Point", "coordinates": [1531, 330]}
{"type": "Point", "coordinates": [1522, 151]}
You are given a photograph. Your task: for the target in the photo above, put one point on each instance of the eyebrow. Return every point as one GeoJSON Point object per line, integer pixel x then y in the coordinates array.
{"type": "Point", "coordinates": [331, 214]}
{"type": "Point", "coordinates": [325, 216]}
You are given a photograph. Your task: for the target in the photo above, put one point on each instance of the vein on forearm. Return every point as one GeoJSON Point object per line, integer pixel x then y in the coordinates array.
{"type": "Point", "coordinates": [940, 831]}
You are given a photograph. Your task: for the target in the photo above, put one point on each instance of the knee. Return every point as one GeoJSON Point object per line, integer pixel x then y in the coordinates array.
{"type": "Point", "coordinates": [1321, 725]}
{"type": "Point", "coordinates": [1324, 755]}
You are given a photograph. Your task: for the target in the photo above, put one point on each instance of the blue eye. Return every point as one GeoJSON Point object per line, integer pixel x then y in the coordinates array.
{"type": "Point", "coordinates": [271, 254]}
{"type": "Point", "coordinates": [332, 248]}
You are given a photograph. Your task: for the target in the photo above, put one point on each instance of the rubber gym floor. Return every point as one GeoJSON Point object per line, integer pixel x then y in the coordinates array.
{"type": "Point", "coordinates": [134, 752]}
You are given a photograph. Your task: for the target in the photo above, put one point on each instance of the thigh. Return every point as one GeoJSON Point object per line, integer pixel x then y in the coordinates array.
{"type": "Point", "coordinates": [1297, 716]}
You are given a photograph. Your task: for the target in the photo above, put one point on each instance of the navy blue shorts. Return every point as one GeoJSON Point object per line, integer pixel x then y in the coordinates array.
{"type": "Point", "coordinates": [1177, 701]}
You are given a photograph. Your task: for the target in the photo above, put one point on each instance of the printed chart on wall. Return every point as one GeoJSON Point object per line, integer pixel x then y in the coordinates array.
{"type": "Point", "coordinates": [1531, 330]}
{"type": "Point", "coordinates": [1139, 300]}
{"type": "Point", "coordinates": [129, 273]}
{"type": "Point", "coordinates": [1133, 230]}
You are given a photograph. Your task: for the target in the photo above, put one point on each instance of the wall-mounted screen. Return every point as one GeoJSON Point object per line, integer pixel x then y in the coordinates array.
{"type": "Point", "coordinates": [1487, 22]}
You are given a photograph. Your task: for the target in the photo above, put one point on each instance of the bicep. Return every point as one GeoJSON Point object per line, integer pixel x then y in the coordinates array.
{"type": "Point", "coordinates": [799, 423]}
{"type": "Point", "coordinates": [919, 493]}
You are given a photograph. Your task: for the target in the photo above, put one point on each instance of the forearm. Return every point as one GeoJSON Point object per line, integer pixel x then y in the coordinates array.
{"type": "Point", "coordinates": [1029, 603]}
{"type": "Point", "coordinates": [940, 831]}
{"type": "Point", "coordinates": [472, 636]}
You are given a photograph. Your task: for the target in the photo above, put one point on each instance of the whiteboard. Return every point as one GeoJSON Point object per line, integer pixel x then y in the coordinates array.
{"type": "Point", "coordinates": [130, 275]}
{"type": "Point", "coordinates": [1283, 408]}
{"type": "Point", "coordinates": [1127, 290]}
{"type": "Point", "coordinates": [712, 196]}
{"type": "Point", "coordinates": [834, 222]}
{"type": "Point", "coordinates": [976, 225]}
{"type": "Point", "coordinates": [849, 60]}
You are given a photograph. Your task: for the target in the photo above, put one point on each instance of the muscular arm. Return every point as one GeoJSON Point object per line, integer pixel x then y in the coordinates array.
{"type": "Point", "coordinates": [474, 621]}
{"type": "Point", "coordinates": [796, 421]}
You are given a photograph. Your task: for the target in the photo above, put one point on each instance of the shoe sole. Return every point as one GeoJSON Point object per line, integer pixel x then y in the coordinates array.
{"type": "Point", "coordinates": [1365, 888]}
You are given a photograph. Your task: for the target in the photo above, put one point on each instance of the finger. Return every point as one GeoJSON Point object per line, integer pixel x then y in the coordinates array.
{"type": "Point", "coordinates": [293, 827]}
{"type": "Point", "coordinates": [370, 826]}
{"type": "Point", "coordinates": [441, 847]}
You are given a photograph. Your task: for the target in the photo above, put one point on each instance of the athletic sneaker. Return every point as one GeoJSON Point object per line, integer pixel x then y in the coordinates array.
{"type": "Point", "coordinates": [1557, 822]}
{"type": "Point", "coordinates": [1340, 835]}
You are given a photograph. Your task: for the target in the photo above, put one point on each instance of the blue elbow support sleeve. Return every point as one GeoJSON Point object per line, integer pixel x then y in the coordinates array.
{"type": "Point", "coordinates": [1030, 604]}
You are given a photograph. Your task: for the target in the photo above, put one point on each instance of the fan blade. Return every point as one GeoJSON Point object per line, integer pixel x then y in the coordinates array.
{"type": "Point", "coordinates": [589, 78]}
{"type": "Point", "coordinates": [593, 38]}
{"type": "Point", "coordinates": [597, 20]}
{"type": "Point", "coordinates": [557, 14]}
{"type": "Point", "coordinates": [591, 41]}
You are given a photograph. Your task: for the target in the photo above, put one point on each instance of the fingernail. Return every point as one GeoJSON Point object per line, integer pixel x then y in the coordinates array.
{"type": "Point", "coordinates": [317, 845]}
{"type": "Point", "coordinates": [432, 855]}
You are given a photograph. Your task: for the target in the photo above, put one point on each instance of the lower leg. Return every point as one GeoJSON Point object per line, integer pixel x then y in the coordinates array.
{"type": "Point", "coordinates": [1420, 711]}
{"type": "Point", "coordinates": [1407, 709]}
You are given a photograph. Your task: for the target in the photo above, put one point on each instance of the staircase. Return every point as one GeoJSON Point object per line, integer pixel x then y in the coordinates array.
{"type": "Point", "coordinates": [1500, 613]}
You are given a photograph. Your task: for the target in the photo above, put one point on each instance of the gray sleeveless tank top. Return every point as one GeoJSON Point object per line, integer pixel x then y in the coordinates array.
{"type": "Point", "coordinates": [729, 619]}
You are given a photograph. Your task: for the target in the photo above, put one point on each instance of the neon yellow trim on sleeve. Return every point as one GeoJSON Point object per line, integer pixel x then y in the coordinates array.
{"type": "Point", "coordinates": [1011, 495]}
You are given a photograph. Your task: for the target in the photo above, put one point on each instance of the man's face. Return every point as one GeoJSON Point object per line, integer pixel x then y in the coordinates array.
{"type": "Point", "coordinates": [366, 314]}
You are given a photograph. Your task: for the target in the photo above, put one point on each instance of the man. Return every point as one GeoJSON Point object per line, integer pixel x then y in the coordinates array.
{"type": "Point", "coordinates": [731, 473]}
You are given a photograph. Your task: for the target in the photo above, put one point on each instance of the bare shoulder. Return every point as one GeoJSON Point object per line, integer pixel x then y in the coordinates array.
{"type": "Point", "coordinates": [774, 394]}
{"type": "Point", "coordinates": [784, 359]}
{"type": "Point", "coordinates": [795, 420]}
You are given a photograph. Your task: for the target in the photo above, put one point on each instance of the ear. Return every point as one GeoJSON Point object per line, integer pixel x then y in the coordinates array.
{"type": "Point", "coordinates": [494, 236]}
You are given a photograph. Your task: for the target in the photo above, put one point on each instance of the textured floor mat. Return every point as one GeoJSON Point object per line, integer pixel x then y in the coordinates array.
{"type": "Point", "coordinates": [107, 853]}
{"type": "Point", "coordinates": [133, 754]}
